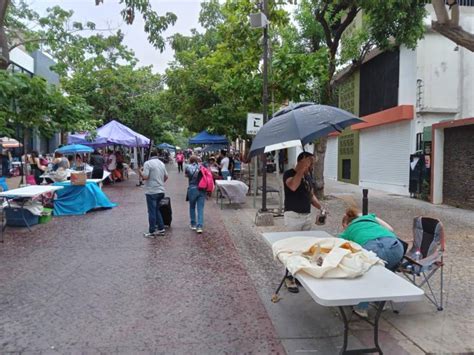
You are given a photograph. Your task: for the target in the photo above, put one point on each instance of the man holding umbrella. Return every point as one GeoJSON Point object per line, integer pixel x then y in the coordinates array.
{"type": "Point", "coordinates": [299, 197]}
{"type": "Point", "coordinates": [299, 194]}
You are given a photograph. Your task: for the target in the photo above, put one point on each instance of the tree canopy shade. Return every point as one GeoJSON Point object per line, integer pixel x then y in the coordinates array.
{"type": "Point", "coordinates": [206, 138]}
{"type": "Point", "coordinates": [112, 133]}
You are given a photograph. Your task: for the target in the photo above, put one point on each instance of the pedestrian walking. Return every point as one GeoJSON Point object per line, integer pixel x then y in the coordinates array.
{"type": "Point", "coordinates": [195, 196]}
{"type": "Point", "coordinates": [155, 175]}
{"type": "Point", "coordinates": [180, 161]}
{"type": "Point", "coordinates": [299, 196]}
{"type": "Point", "coordinates": [224, 164]}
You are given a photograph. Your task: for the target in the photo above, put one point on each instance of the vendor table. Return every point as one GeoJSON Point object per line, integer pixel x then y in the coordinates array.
{"type": "Point", "coordinates": [234, 190]}
{"type": "Point", "coordinates": [69, 171]}
{"type": "Point", "coordinates": [79, 199]}
{"type": "Point", "coordinates": [23, 194]}
{"type": "Point", "coordinates": [377, 285]}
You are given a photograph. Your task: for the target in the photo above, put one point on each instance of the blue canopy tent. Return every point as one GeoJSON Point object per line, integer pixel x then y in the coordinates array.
{"type": "Point", "coordinates": [206, 138]}
{"type": "Point", "coordinates": [214, 148]}
{"type": "Point", "coordinates": [74, 148]}
{"type": "Point", "coordinates": [166, 146]}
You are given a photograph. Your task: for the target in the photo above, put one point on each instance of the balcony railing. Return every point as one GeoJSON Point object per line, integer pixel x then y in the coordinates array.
{"type": "Point", "coordinates": [460, 2]}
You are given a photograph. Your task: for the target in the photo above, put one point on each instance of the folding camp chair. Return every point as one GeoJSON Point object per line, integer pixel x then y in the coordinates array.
{"type": "Point", "coordinates": [428, 240]}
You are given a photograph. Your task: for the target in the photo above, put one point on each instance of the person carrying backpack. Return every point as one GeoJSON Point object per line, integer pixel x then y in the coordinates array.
{"type": "Point", "coordinates": [195, 196]}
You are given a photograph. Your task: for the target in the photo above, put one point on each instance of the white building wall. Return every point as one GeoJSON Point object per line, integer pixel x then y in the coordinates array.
{"type": "Point", "coordinates": [438, 68]}
{"type": "Point", "coordinates": [22, 59]}
{"type": "Point", "coordinates": [330, 160]}
{"type": "Point", "coordinates": [407, 77]}
{"type": "Point", "coordinates": [467, 65]}
{"type": "Point", "coordinates": [384, 154]}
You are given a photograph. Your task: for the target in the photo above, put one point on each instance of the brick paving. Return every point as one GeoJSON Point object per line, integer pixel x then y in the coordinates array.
{"type": "Point", "coordinates": [92, 284]}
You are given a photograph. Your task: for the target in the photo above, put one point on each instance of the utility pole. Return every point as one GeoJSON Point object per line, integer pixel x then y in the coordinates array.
{"type": "Point", "coordinates": [265, 103]}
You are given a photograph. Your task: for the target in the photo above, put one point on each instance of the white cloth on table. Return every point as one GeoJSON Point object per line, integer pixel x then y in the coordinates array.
{"type": "Point", "coordinates": [235, 190]}
{"type": "Point", "coordinates": [324, 257]}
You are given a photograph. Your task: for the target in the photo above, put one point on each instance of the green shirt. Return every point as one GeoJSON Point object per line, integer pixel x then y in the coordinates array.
{"type": "Point", "coordinates": [365, 228]}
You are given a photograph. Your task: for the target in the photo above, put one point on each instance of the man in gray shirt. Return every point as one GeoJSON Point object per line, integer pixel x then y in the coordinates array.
{"type": "Point", "coordinates": [155, 175]}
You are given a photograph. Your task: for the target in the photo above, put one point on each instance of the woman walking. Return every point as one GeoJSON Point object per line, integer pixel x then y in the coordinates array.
{"type": "Point", "coordinates": [195, 196]}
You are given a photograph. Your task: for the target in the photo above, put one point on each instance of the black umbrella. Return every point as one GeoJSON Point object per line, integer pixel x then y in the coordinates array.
{"type": "Point", "coordinates": [299, 124]}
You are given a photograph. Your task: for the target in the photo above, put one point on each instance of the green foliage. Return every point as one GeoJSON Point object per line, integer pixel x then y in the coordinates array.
{"type": "Point", "coordinates": [216, 77]}
{"type": "Point", "coordinates": [154, 23]}
{"type": "Point", "coordinates": [134, 96]}
{"type": "Point", "coordinates": [31, 102]}
{"type": "Point", "coordinates": [397, 20]}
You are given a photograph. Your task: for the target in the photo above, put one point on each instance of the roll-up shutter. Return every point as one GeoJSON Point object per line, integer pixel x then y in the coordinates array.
{"type": "Point", "coordinates": [330, 160]}
{"type": "Point", "coordinates": [384, 157]}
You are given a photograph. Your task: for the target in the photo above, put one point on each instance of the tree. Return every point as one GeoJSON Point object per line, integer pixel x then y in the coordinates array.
{"type": "Point", "coordinates": [216, 78]}
{"type": "Point", "coordinates": [17, 26]}
{"type": "Point", "coordinates": [449, 27]}
{"type": "Point", "coordinates": [30, 102]}
{"type": "Point", "coordinates": [323, 25]}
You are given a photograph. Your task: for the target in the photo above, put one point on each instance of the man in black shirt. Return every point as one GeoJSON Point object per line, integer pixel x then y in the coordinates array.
{"type": "Point", "coordinates": [299, 196]}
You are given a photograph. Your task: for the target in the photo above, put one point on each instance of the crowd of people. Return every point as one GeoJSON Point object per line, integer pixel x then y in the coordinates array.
{"type": "Point", "coordinates": [34, 165]}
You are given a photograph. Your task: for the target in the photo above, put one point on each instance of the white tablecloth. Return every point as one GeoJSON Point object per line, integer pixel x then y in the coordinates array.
{"type": "Point", "coordinates": [233, 189]}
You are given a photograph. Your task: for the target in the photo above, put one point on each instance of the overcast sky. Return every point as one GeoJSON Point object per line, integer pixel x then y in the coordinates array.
{"type": "Point", "coordinates": [108, 15]}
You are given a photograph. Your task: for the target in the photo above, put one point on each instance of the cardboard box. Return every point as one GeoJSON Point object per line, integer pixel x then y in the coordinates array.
{"type": "Point", "coordinates": [78, 178]}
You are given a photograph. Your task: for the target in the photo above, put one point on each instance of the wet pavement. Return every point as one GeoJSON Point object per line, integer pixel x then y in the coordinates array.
{"type": "Point", "coordinates": [92, 284]}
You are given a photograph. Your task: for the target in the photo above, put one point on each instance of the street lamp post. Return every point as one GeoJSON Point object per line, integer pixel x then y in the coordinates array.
{"type": "Point", "coordinates": [265, 102]}
{"type": "Point", "coordinates": [259, 20]}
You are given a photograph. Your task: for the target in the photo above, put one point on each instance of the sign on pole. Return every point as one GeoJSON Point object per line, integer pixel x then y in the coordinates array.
{"type": "Point", "coordinates": [254, 122]}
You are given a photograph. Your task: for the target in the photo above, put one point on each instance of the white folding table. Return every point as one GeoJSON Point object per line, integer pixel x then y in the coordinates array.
{"type": "Point", "coordinates": [378, 285]}
{"type": "Point", "coordinates": [23, 194]}
{"type": "Point", "coordinates": [234, 190]}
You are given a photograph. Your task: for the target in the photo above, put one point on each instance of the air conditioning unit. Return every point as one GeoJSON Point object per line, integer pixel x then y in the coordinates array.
{"type": "Point", "coordinates": [258, 20]}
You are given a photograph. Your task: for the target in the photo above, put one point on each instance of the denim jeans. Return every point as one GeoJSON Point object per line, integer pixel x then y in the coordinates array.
{"type": "Point", "coordinates": [196, 197]}
{"type": "Point", "coordinates": [388, 249]}
{"type": "Point", "coordinates": [225, 174]}
{"type": "Point", "coordinates": [155, 220]}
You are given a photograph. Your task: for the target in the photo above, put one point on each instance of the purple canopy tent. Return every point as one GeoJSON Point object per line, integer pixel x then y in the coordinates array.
{"type": "Point", "coordinates": [112, 133]}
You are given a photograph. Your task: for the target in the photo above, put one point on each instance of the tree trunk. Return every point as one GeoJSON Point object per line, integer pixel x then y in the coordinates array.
{"type": "Point", "coordinates": [320, 144]}
{"type": "Point", "coordinates": [318, 170]}
{"type": "Point", "coordinates": [441, 12]}
{"type": "Point", "coordinates": [455, 34]}
{"type": "Point", "coordinates": [4, 52]}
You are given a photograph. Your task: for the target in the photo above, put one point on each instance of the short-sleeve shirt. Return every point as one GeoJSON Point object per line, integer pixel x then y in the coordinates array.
{"type": "Point", "coordinates": [365, 228]}
{"type": "Point", "coordinates": [225, 164]}
{"type": "Point", "coordinates": [112, 162]}
{"type": "Point", "coordinates": [192, 172]}
{"type": "Point", "coordinates": [156, 172]}
{"type": "Point", "coordinates": [298, 201]}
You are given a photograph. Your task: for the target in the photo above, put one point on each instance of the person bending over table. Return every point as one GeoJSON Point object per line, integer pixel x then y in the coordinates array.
{"type": "Point", "coordinates": [374, 234]}
{"type": "Point", "coordinates": [299, 196]}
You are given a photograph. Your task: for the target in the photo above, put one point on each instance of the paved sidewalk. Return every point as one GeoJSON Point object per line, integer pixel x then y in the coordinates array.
{"type": "Point", "coordinates": [92, 284]}
{"type": "Point", "coordinates": [304, 326]}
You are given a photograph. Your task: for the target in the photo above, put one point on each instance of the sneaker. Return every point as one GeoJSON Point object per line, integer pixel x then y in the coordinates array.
{"type": "Point", "coordinates": [192, 227]}
{"type": "Point", "coordinates": [159, 232]}
{"type": "Point", "coordinates": [361, 312]}
{"type": "Point", "coordinates": [199, 230]}
{"type": "Point", "coordinates": [291, 285]}
{"type": "Point", "coordinates": [149, 235]}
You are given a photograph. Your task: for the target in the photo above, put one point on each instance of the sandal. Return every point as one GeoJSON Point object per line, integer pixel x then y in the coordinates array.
{"type": "Point", "coordinates": [291, 285]}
